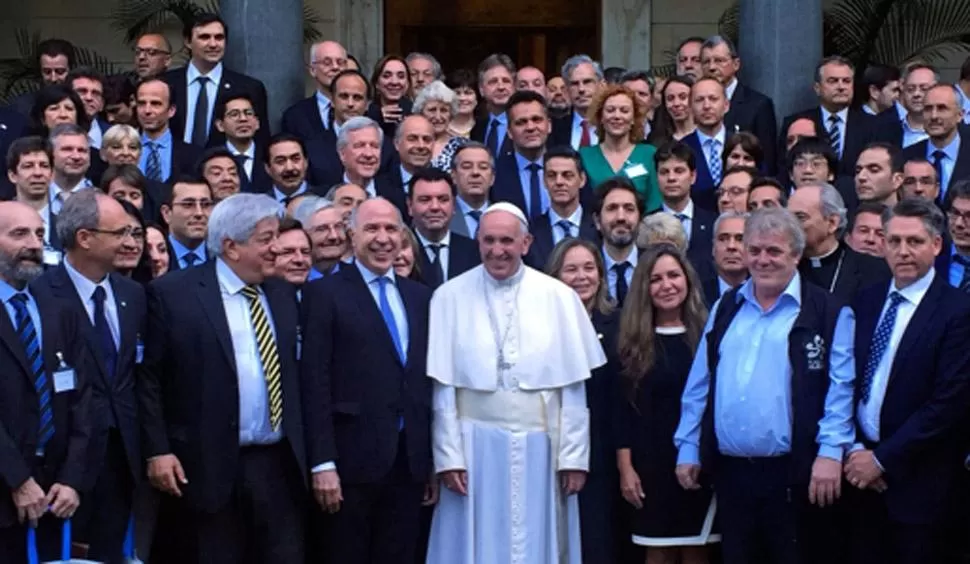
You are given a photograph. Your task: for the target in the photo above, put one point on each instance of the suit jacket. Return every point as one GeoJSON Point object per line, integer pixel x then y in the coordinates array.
{"type": "Point", "coordinates": [924, 408]}
{"type": "Point", "coordinates": [961, 169]}
{"type": "Point", "coordinates": [197, 419]}
{"type": "Point", "coordinates": [542, 238]}
{"type": "Point", "coordinates": [261, 181]}
{"type": "Point", "coordinates": [232, 82]}
{"type": "Point", "coordinates": [507, 186]}
{"type": "Point", "coordinates": [701, 248]}
{"type": "Point", "coordinates": [388, 186]}
{"type": "Point", "coordinates": [65, 458]}
{"type": "Point", "coordinates": [356, 390]}
{"type": "Point", "coordinates": [860, 130]}
{"type": "Point", "coordinates": [389, 127]}
{"type": "Point", "coordinates": [857, 271]}
{"type": "Point", "coordinates": [754, 112]}
{"type": "Point", "coordinates": [13, 125]}
{"type": "Point", "coordinates": [562, 131]}
{"type": "Point", "coordinates": [481, 128]}
{"type": "Point", "coordinates": [704, 190]}
{"type": "Point", "coordinates": [185, 158]}
{"type": "Point", "coordinates": [173, 261]}
{"type": "Point", "coordinates": [112, 401]}
{"type": "Point", "coordinates": [463, 255]}
{"type": "Point", "coordinates": [303, 120]}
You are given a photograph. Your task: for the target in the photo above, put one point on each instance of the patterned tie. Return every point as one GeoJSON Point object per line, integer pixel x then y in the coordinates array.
{"type": "Point", "coordinates": [268, 355]}
{"type": "Point", "coordinates": [965, 279]}
{"type": "Point", "coordinates": [28, 336]}
{"type": "Point", "coordinates": [938, 158]}
{"type": "Point", "coordinates": [835, 134]}
{"type": "Point", "coordinates": [388, 316]}
{"type": "Point", "coordinates": [585, 139]}
{"type": "Point", "coordinates": [153, 168]}
{"type": "Point", "coordinates": [714, 159]}
{"type": "Point", "coordinates": [477, 216]}
{"type": "Point", "coordinates": [535, 197]}
{"type": "Point", "coordinates": [200, 121]}
{"type": "Point", "coordinates": [109, 353]}
{"type": "Point", "coordinates": [191, 259]}
{"type": "Point", "coordinates": [492, 140]}
{"type": "Point", "coordinates": [567, 228]}
{"type": "Point", "coordinates": [437, 270]}
{"type": "Point", "coordinates": [880, 342]}
{"type": "Point", "coordinates": [621, 286]}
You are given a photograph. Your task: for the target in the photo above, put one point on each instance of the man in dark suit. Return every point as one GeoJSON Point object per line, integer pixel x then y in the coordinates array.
{"type": "Point", "coordinates": [519, 174]}
{"type": "Point", "coordinates": [828, 262]}
{"type": "Point", "coordinates": [848, 130]}
{"type": "Point", "coordinates": [431, 204]}
{"type": "Point", "coordinates": [584, 77]}
{"type": "Point", "coordinates": [953, 262]}
{"type": "Point", "coordinates": [236, 118]}
{"type": "Point", "coordinates": [709, 104]}
{"type": "Point", "coordinates": [218, 168]}
{"type": "Point", "coordinates": [496, 85]}
{"type": "Point", "coordinates": [942, 118]}
{"type": "Point", "coordinates": [750, 110]}
{"type": "Point", "coordinates": [55, 59]}
{"type": "Point", "coordinates": [908, 129]}
{"type": "Point", "coordinates": [676, 172]}
{"type": "Point", "coordinates": [360, 145]}
{"type": "Point", "coordinates": [367, 398]}
{"type": "Point", "coordinates": [912, 389]}
{"type": "Point", "coordinates": [12, 127]}
{"type": "Point", "coordinates": [28, 168]}
{"type": "Point", "coordinates": [186, 212]}
{"type": "Point", "coordinates": [202, 84]}
{"type": "Point", "coordinates": [312, 117]}
{"type": "Point", "coordinates": [163, 154]}
{"type": "Point", "coordinates": [728, 269]}
{"type": "Point", "coordinates": [473, 170]}
{"type": "Point", "coordinates": [286, 166]}
{"type": "Point", "coordinates": [231, 449]}
{"type": "Point", "coordinates": [413, 141]}
{"type": "Point", "coordinates": [88, 84]}
{"type": "Point", "coordinates": [116, 311]}
{"type": "Point", "coordinates": [567, 218]}
{"type": "Point", "coordinates": [44, 426]}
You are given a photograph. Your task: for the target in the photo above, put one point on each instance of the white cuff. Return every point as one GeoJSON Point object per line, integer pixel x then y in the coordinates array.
{"type": "Point", "coordinates": [326, 466]}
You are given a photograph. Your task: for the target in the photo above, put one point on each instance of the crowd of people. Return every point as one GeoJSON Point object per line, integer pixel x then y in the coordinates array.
{"type": "Point", "coordinates": [486, 315]}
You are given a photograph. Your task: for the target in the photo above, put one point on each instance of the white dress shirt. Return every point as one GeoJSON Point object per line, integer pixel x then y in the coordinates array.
{"type": "Point", "coordinates": [85, 290]}
{"type": "Point", "coordinates": [688, 222]}
{"type": "Point", "coordinates": [826, 125]}
{"type": "Point", "coordinates": [249, 157]}
{"type": "Point", "coordinates": [192, 91]}
{"type": "Point", "coordinates": [631, 258]}
{"type": "Point", "coordinates": [574, 221]}
{"type": "Point", "coordinates": [371, 188]}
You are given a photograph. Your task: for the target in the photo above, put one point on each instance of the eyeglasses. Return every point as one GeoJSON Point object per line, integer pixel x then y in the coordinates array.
{"type": "Point", "coordinates": [236, 114]}
{"type": "Point", "coordinates": [149, 52]}
{"type": "Point", "coordinates": [955, 214]}
{"type": "Point", "coordinates": [122, 232]}
{"type": "Point", "coordinates": [734, 191]}
{"type": "Point", "coordinates": [192, 205]}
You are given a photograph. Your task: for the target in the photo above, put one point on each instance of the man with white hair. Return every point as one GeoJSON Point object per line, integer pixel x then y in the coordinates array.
{"type": "Point", "coordinates": [230, 450]}
{"type": "Point", "coordinates": [311, 117]}
{"type": "Point", "coordinates": [828, 262]}
{"type": "Point", "coordinates": [359, 146]}
{"type": "Point", "coordinates": [509, 351]}
{"type": "Point", "coordinates": [583, 77]}
{"type": "Point", "coordinates": [424, 69]}
{"type": "Point", "coordinates": [324, 224]}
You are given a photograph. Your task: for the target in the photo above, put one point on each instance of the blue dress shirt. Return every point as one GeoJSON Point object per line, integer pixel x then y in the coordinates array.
{"type": "Point", "coordinates": [85, 290]}
{"type": "Point", "coordinates": [164, 144]}
{"type": "Point", "coordinates": [323, 106]}
{"type": "Point", "coordinates": [470, 222]}
{"type": "Point", "coordinates": [912, 136]}
{"type": "Point", "coordinates": [952, 151]}
{"type": "Point", "coordinates": [611, 274]}
{"type": "Point", "coordinates": [525, 178]}
{"type": "Point", "coordinates": [181, 250]}
{"type": "Point", "coordinates": [753, 405]}
{"type": "Point", "coordinates": [211, 89]}
{"type": "Point", "coordinates": [393, 297]}
{"type": "Point", "coordinates": [574, 222]}
{"type": "Point", "coordinates": [7, 292]}
{"type": "Point", "coordinates": [503, 128]}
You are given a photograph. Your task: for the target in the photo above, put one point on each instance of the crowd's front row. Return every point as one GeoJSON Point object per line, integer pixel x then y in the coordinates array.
{"type": "Point", "coordinates": [315, 423]}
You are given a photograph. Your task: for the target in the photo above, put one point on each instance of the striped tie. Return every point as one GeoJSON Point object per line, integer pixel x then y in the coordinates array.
{"type": "Point", "coordinates": [153, 167]}
{"type": "Point", "coordinates": [267, 355]}
{"type": "Point", "coordinates": [714, 160]}
{"type": "Point", "coordinates": [28, 336]}
{"type": "Point", "coordinates": [835, 134]}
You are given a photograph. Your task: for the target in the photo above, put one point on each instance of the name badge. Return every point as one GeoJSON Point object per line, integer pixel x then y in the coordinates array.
{"type": "Point", "coordinates": [635, 171]}
{"type": "Point", "coordinates": [139, 350]}
{"type": "Point", "coordinates": [64, 379]}
{"type": "Point", "coordinates": [52, 257]}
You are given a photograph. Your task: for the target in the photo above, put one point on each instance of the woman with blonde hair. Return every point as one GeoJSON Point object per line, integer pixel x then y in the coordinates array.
{"type": "Point", "coordinates": [662, 322]}
{"type": "Point", "coordinates": [121, 145]}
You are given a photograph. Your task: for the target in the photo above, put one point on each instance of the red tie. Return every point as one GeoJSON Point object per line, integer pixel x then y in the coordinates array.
{"type": "Point", "coordinates": [584, 140]}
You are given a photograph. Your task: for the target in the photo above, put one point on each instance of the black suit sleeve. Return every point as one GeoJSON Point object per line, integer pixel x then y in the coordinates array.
{"type": "Point", "coordinates": [74, 471]}
{"type": "Point", "coordinates": [315, 373]}
{"type": "Point", "coordinates": [946, 407]}
{"type": "Point", "coordinates": [148, 384]}
{"type": "Point", "coordinates": [13, 470]}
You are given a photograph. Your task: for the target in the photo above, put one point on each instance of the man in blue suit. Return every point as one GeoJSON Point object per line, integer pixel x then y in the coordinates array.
{"type": "Point", "coordinates": [911, 396]}
{"type": "Point", "coordinates": [367, 399]}
{"type": "Point", "coordinates": [709, 104]}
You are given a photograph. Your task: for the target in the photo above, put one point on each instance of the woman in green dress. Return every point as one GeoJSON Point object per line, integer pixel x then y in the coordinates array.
{"type": "Point", "coordinates": [619, 117]}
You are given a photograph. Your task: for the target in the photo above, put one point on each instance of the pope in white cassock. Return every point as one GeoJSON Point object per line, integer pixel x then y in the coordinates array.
{"type": "Point", "coordinates": [509, 350]}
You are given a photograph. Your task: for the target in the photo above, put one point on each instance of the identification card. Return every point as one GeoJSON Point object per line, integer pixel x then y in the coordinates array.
{"type": "Point", "coordinates": [636, 170]}
{"type": "Point", "coordinates": [64, 380]}
{"type": "Point", "coordinates": [52, 257]}
{"type": "Point", "coordinates": [139, 351]}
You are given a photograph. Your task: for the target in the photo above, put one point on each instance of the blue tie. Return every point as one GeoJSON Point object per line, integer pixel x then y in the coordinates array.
{"type": "Point", "coordinates": [388, 316]}
{"type": "Point", "coordinates": [938, 157]}
{"type": "Point", "coordinates": [109, 353]}
{"type": "Point", "coordinates": [535, 198]}
{"type": "Point", "coordinates": [153, 167]}
{"type": "Point", "coordinates": [714, 159]}
{"type": "Point", "coordinates": [880, 342]}
{"type": "Point", "coordinates": [190, 259]}
{"type": "Point", "coordinates": [28, 336]}
{"type": "Point", "coordinates": [492, 140]}
{"type": "Point", "coordinates": [567, 228]}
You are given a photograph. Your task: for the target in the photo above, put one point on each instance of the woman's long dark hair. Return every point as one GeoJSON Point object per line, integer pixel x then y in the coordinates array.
{"type": "Point", "coordinates": [663, 127]}
{"type": "Point", "coordinates": [142, 272]}
{"type": "Point", "coordinates": [55, 94]}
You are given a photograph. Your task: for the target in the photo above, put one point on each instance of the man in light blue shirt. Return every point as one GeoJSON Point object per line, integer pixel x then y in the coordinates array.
{"type": "Point", "coordinates": [777, 363]}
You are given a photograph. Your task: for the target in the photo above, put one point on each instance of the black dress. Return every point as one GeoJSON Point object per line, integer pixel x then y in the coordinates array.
{"type": "Point", "coordinates": [670, 516]}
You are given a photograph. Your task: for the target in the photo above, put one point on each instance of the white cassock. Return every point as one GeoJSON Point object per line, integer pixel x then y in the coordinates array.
{"type": "Point", "coordinates": [512, 429]}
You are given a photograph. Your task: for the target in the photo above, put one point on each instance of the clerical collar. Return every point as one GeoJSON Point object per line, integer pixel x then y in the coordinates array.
{"type": "Point", "coordinates": [818, 261]}
{"type": "Point", "coordinates": [508, 282]}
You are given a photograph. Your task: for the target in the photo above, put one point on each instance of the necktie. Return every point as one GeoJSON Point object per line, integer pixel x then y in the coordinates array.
{"type": "Point", "coordinates": [567, 228]}
{"type": "Point", "coordinates": [268, 355]}
{"type": "Point", "coordinates": [200, 121]}
{"type": "Point", "coordinates": [535, 198]}
{"type": "Point", "coordinates": [190, 259]}
{"type": "Point", "coordinates": [880, 342]}
{"type": "Point", "coordinates": [835, 134]}
{"type": "Point", "coordinates": [241, 160]}
{"type": "Point", "coordinates": [28, 337]}
{"type": "Point", "coordinates": [965, 279]}
{"type": "Point", "coordinates": [938, 158]}
{"type": "Point", "coordinates": [109, 353]}
{"type": "Point", "coordinates": [153, 168]}
{"type": "Point", "coordinates": [437, 271]}
{"type": "Point", "coordinates": [714, 159]}
{"type": "Point", "coordinates": [621, 286]}
{"type": "Point", "coordinates": [477, 216]}
{"type": "Point", "coordinates": [388, 316]}
{"type": "Point", "coordinates": [330, 117]}
{"type": "Point", "coordinates": [492, 140]}
{"type": "Point", "coordinates": [584, 137]}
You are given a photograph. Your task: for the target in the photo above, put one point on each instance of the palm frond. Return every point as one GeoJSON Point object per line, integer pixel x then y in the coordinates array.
{"type": "Point", "coordinates": [137, 17]}
{"type": "Point", "coordinates": [940, 26]}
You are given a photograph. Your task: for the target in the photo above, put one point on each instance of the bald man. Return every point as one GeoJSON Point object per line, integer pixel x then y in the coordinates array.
{"type": "Point", "coordinates": [312, 117]}
{"type": "Point", "coordinates": [153, 55]}
{"type": "Point", "coordinates": [531, 78]}
{"type": "Point", "coordinates": [44, 423]}
{"type": "Point", "coordinates": [945, 149]}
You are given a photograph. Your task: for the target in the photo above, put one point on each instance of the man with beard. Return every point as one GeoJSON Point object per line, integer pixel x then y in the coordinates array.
{"type": "Point", "coordinates": [359, 146]}
{"type": "Point", "coordinates": [618, 210]}
{"type": "Point", "coordinates": [237, 119]}
{"type": "Point", "coordinates": [325, 225]}
{"type": "Point", "coordinates": [219, 170]}
{"type": "Point", "coordinates": [431, 204]}
{"type": "Point", "coordinates": [413, 141]}
{"type": "Point", "coordinates": [44, 423]}
{"type": "Point", "coordinates": [496, 85]}
{"type": "Point", "coordinates": [312, 117]}
{"type": "Point", "coordinates": [558, 100]}
{"type": "Point", "coordinates": [286, 166]}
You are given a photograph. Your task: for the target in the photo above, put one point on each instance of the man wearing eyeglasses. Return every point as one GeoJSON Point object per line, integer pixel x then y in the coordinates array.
{"type": "Point", "coordinates": [94, 228]}
{"type": "Point", "coordinates": [153, 55]}
{"type": "Point", "coordinates": [237, 119]}
{"type": "Point", "coordinates": [187, 214]}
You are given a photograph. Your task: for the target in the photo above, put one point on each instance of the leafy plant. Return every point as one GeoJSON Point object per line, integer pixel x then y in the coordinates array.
{"type": "Point", "coordinates": [21, 74]}
{"type": "Point", "coordinates": [137, 17]}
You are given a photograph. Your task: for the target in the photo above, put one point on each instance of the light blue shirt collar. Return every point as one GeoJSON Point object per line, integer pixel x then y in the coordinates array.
{"type": "Point", "coordinates": [914, 292]}
{"type": "Point", "coordinates": [720, 137]}
{"type": "Point", "coordinates": [575, 219]}
{"type": "Point", "coordinates": [369, 275]}
{"type": "Point", "coordinates": [229, 280]}
{"type": "Point", "coordinates": [631, 258]}
{"type": "Point", "coordinates": [523, 162]}
{"type": "Point", "coordinates": [84, 286]}
{"type": "Point", "coordinates": [502, 119]}
{"type": "Point", "coordinates": [952, 150]}
{"type": "Point", "coordinates": [181, 250]}
{"type": "Point", "coordinates": [7, 292]}
{"type": "Point", "coordinates": [843, 117]}
{"type": "Point", "coordinates": [280, 196]}
{"type": "Point", "coordinates": [464, 208]}
{"type": "Point", "coordinates": [249, 152]}
{"type": "Point", "coordinates": [793, 290]}
{"type": "Point", "coordinates": [215, 75]}
{"type": "Point", "coordinates": [163, 142]}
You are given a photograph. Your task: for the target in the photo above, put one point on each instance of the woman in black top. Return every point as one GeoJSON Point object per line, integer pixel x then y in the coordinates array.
{"type": "Point", "coordinates": [661, 324]}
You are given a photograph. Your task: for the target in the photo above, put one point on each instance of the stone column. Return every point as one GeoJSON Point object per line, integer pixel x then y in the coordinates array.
{"type": "Point", "coordinates": [780, 42]}
{"type": "Point", "coordinates": [360, 29]}
{"type": "Point", "coordinates": [625, 34]}
{"type": "Point", "coordinates": [266, 42]}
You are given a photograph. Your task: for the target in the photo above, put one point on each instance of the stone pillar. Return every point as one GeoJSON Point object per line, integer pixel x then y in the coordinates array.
{"type": "Point", "coordinates": [360, 29]}
{"type": "Point", "coordinates": [780, 42]}
{"type": "Point", "coordinates": [266, 42]}
{"type": "Point", "coordinates": [625, 34]}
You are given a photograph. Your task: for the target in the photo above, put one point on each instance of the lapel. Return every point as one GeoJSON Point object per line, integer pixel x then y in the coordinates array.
{"type": "Point", "coordinates": [127, 321]}
{"type": "Point", "coordinates": [866, 321]}
{"type": "Point", "coordinates": [587, 227]}
{"type": "Point", "coordinates": [411, 311]}
{"type": "Point", "coordinates": [63, 289]}
{"type": "Point", "coordinates": [918, 326]}
{"type": "Point", "coordinates": [210, 298]}
{"type": "Point", "coordinates": [732, 121]}
{"type": "Point", "coordinates": [180, 92]}
{"type": "Point", "coordinates": [961, 168]}
{"type": "Point", "coordinates": [283, 323]}
{"type": "Point", "coordinates": [313, 117]}
{"type": "Point", "coordinates": [8, 335]}
{"type": "Point", "coordinates": [542, 235]}
{"type": "Point", "coordinates": [369, 308]}
{"type": "Point", "coordinates": [703, 172]}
